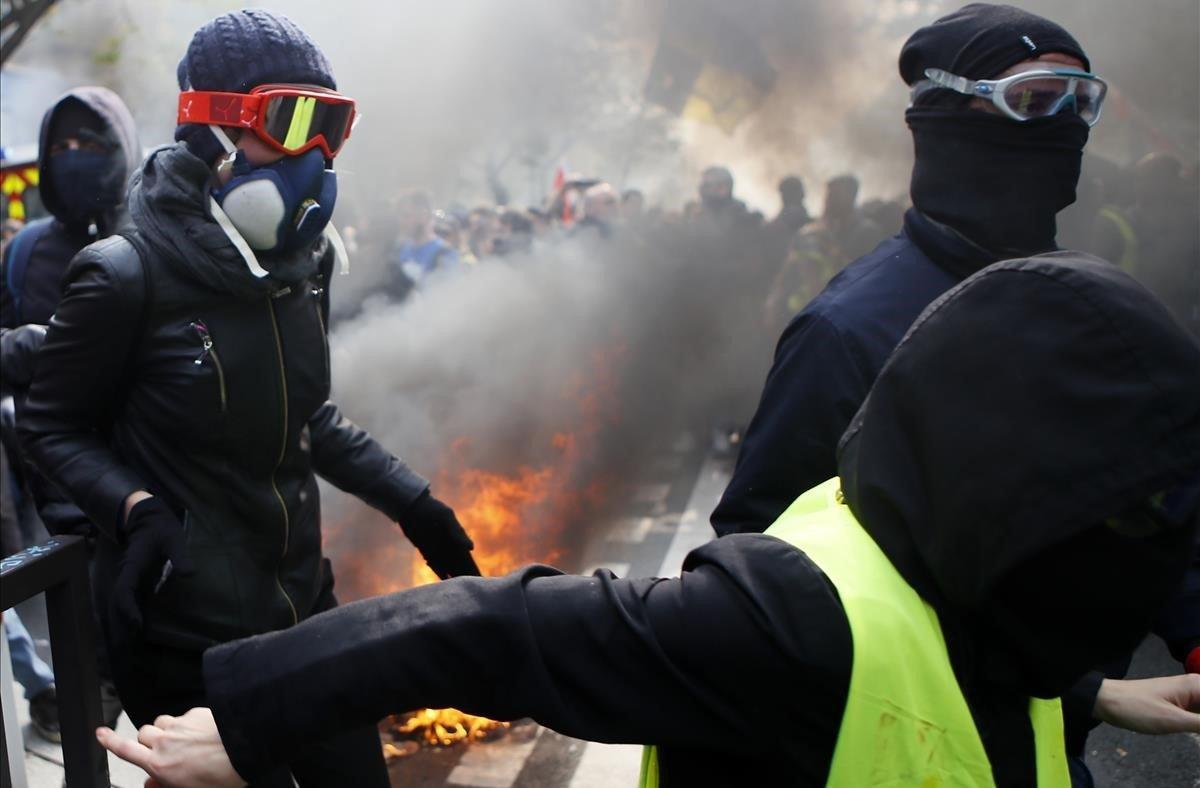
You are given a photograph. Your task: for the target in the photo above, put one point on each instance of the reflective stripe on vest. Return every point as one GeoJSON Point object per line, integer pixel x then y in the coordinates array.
{"type": "Point", "coordinates": [906, 721]}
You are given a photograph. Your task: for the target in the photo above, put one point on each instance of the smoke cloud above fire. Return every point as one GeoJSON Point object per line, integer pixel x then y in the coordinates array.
{"type": "Point", "coordinates": [454, 92]}
{"type": "Point", "coordinates": [584, 358]}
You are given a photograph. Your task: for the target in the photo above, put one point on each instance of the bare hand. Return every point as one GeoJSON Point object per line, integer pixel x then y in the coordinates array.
{"type": "Point", "coordinates": [177, 752]}
{"type": "Point", "coordinates": [1164, 705]}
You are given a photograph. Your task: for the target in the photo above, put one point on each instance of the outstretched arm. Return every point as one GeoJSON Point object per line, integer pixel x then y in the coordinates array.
{"type": "Point", "coordinates": [592, 657]}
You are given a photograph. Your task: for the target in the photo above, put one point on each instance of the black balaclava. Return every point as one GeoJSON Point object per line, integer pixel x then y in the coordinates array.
{"type": "Point", "coordinates": [997, 181]}
{"type": "Point", "coordinates": [88, 181]}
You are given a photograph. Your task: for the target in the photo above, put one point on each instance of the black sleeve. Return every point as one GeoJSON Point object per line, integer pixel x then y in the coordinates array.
{"type": "Point", "coordinates": [348, 457]}
{"type": "Point", "coordinates": [680, 662]}
{"type": "Point", "coordinates": [76, 386]}
{"type": "Point", "coordinates": [18, 347]}
{"type": "Point", "coordinates": [1078, 703]}
{"type": "Point", "coordinates": [813, 390]}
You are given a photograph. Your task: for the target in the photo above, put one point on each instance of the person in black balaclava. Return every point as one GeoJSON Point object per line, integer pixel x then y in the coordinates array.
{"type": "Point", "coordinates": [87, 148]}
{"type": "Point", "coordinates": [86, 151]}
{"type": "Point", "coordinates": [180, 398]}
{"type": "Point", "coordinates": [986, 185]}
{"type": "Point", "coordinates": [1009, 467]}
{"type": "Point", "coordinates": [997, 182]}
{"type": "Point", "coordinates": [967, 213]}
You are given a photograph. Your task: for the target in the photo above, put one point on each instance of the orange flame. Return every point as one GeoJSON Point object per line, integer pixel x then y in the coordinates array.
{"type": "Point", "coordinates": [514, 518]}
{"type": "Point", "coordinates": [445, 727]}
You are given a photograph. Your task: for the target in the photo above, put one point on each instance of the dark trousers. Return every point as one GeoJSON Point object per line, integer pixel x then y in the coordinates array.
{"type": "Point", "coordinates": [154, 679]}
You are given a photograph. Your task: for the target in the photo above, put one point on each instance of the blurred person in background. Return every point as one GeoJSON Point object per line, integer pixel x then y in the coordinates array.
{"type": "Point", "coordinates": [1158, 237]}
{"type": "Point", "coordinates": [820, 250]}
{"type": "Point", "coordinates": [718, 210]}
{"type": "Point", "coordinates": [516, 233]}
{"type": "Point", "coordinates": [483, 225]}
{"type": "Point", "coordinates": [601, 209]}
{"type": "Point", "coordinates": [792, 216]}
{"type": "Point", "coordinates": [420, 252]}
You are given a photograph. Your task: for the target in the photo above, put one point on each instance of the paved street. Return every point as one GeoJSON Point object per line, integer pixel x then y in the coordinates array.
{"type": "Point", "coordinates": [666, 517]}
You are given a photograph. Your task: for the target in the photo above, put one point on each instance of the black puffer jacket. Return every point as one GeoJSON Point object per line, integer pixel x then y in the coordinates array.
{"type": "Point", "coordinates": [168, 367]}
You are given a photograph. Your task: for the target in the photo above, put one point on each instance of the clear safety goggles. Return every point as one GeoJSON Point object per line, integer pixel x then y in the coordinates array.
{"type": "Point", "coordinates": [290, 119]}
{"type": "Point", "coordinates": [1030, 94]}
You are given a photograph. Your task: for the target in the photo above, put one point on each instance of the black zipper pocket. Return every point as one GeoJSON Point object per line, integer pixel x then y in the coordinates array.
{"type": "Point", "coordinates": [209, 350]}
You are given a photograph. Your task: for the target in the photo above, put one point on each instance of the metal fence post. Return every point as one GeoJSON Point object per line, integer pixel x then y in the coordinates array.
{"type": "Point", "coordinates": [60, 568]}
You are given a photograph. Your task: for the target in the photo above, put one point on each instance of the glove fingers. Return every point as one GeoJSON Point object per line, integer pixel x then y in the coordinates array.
{"type": "Point", "coordinates": [125, 607]}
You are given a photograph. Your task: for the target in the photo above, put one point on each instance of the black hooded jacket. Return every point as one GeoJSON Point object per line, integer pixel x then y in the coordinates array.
{"type": "Point", "coordinates": [52, 248]}
{"type": "Point", "coordinates": [997, 439]}
{"type": "Point", "coordinates": [60, 242]}
{"type": "Point", "coordinates": [168, 367]}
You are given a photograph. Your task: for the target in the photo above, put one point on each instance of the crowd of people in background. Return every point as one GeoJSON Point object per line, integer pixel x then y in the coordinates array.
{"type": "Point", "coordinates": [1140, 217]}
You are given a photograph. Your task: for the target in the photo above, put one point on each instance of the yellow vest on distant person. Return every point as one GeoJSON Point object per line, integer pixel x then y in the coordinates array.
{"type": "Point", "coordinates": [906, 722]}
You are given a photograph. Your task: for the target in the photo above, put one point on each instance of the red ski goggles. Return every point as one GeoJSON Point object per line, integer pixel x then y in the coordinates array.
{"type": "Point", "coordinates": [290, 119]}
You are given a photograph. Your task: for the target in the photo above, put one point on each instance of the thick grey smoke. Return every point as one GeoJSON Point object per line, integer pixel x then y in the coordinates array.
{"type": "Point", "coordinates": [454, 92]}
{"type": "Point", "coordinates": [621, 345]}
{"type": "Point", "coordinates": [579, 361]}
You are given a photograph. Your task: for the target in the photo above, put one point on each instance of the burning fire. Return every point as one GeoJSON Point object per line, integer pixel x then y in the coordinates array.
{"type": "Point", "coordinates": [515, 517]}
{"type": "Point", "coordinates": [443, 727]}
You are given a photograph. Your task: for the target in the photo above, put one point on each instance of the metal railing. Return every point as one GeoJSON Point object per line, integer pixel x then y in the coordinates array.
{"type": "Point", "coordinates": [60, 568]}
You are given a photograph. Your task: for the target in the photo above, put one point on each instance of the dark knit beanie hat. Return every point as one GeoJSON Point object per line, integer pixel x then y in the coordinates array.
{"type": "Point", "coordinates": [980, 40]}
{"type": "Point", "coordinates": [241, 50]}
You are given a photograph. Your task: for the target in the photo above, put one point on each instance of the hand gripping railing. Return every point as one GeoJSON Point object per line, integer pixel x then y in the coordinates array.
{"type": "Point", "coordinates": [60, 568]}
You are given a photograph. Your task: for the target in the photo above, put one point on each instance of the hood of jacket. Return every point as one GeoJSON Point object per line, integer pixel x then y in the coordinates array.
{"type": "Point", "coordinates": [169, 204]}
{"type": "Point", "coordinates": [120, 132]}
{"type": "Point", "coordinates": [1025, 407]}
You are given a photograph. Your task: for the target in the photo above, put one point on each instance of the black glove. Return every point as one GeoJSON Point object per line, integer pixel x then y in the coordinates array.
{"type": "Point", "coordinates": [432, 527]}
{"type": "Point", "coordinates": [155, 550]}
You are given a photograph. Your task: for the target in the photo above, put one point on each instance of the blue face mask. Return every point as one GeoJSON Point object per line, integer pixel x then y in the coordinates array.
{"type": "Point", "coordinates": [86, 182]}
{"type": "Point", "coordinates": [280, 207]}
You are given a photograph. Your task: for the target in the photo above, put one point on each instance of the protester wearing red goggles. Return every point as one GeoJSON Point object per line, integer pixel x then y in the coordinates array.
{"type": "Point", "coordinates": [290, 119]}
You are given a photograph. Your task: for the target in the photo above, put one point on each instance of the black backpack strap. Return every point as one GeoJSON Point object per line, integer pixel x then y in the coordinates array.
{"type": "Point", "coordinates": [134, 278]}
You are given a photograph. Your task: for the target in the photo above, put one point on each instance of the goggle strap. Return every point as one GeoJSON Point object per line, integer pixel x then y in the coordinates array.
{"type": "Point", "coordinates": [236, 239]}
{"type": "Point", "coordinates": [223, 138]}
{"type": "Point", "coordinates": [947, 80]}
{"type": "Point", "coordinates": [339, 249]}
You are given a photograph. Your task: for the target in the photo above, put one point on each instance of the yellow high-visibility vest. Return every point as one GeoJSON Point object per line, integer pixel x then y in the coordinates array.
{"type": "Point", "coordinates": [906, 722]}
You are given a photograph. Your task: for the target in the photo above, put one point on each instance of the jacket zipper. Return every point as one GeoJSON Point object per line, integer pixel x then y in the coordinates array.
{"type": "Point", "coordinates": [210, 350]}
{"type": "Point", "coordinates": [279, 461]}
{"type": "Point", "coordinates": [317, 292]}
